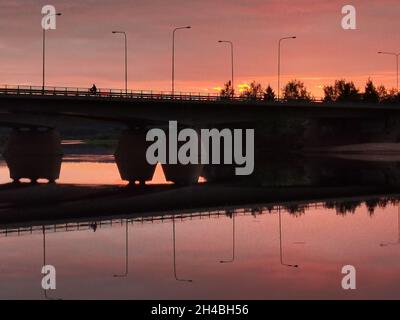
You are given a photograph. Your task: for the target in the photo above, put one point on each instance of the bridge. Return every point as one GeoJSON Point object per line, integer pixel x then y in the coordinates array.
{"type": "Point", "coordinates": [149, 107]}
{"type": "Point", "coordinates": [279, 126]}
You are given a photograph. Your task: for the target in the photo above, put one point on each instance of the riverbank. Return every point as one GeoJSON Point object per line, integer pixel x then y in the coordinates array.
{"type": "Point", "coordinates": [379, 151]}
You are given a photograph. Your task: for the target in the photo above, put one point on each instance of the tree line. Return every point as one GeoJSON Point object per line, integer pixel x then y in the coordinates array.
{"type": "Point", "coordinates": [340, 91]}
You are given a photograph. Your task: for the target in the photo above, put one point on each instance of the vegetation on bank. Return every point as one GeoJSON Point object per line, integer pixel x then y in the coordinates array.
{"type": "Point", "coordinates": [342, 208]}
{"type": "Point", "coordinates": [295, 90]}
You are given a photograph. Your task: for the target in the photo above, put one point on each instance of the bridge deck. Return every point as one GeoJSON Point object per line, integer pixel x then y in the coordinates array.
{"type": "Point", "coordinates": [143, 95]}
{"type": "Point", "coordinates": [142, 107]}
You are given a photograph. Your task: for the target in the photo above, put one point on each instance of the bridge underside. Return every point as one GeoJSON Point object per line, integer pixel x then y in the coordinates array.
{"type": "Point", "coordinates": [191, 113]}
{"type": "Point", "coordinates": [277, 125]}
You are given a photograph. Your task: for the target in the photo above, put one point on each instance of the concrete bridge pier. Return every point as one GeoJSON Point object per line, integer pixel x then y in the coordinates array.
{"type": "Point", "coordinates": [221, 172]}
{"type": "Point", "coordinates": [130, 157]}
{"type": "Point", "coordinates": [34, 154]}
{"type": "Point", "coordinates": [184, 174]}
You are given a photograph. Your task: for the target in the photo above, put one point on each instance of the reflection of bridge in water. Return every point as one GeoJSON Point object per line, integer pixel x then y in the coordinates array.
{"type": "Point", "coordinates": [66, 224]}
{"type": "Point", "coordinates": [94, 224]}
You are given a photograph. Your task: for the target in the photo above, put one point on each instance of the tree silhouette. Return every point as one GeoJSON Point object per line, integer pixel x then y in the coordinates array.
{"type": "Point", "coordinates": [254, 91]}
{"type": "Point", "coordinates": [392, 96]}
{"type": "Point", "coordinates": [296, 90]}
{"type": "Point", "coordinates": [269, 94]}
{"type": "Point", "coordinates": [341, 91]}
{"type": "Point", "coordinates": [228, 91]}
{"type": "Point", "coordinates": [329, 94]}
{"type": "Point", "coordinates": [382, 93]}
{"type": "Point", "coordinates": [371, 94]}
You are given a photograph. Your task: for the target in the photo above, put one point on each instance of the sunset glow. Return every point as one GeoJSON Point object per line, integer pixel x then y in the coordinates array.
{"type": "Point", "coordinates": [82, 50]}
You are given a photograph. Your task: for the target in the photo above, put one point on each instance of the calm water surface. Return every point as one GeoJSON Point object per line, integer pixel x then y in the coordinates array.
{"type": "Point", "coordinates": [154, 259]}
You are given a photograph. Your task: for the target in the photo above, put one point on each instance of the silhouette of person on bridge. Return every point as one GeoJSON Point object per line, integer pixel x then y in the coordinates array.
{"type": "Point", "coordinates": [93, 89]}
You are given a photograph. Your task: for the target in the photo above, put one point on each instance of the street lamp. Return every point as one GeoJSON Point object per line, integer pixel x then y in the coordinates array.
{"type": "Point", "coordinates": [397, 63]}
{"type": "Point", "coordinates": [231, 44]}
{"type": "Point", "coordinates": [126, 58]}
{"type": "Point", "coordinates": [173, 56]}
{"type": "Point", "coordinates": [279, 62]}
{"type": "Point", "coordinates": [44, 52]}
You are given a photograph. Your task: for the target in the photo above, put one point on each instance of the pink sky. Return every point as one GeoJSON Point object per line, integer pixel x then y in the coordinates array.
{"type": "Point", "coordinates": [82, 50]}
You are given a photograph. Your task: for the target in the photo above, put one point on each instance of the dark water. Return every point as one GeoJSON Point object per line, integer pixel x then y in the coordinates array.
{"type": "Point", "coordinates": [310, 216]}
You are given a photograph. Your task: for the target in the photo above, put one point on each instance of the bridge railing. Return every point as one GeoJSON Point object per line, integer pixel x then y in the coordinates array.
{"type": "Point", "coordinates": [103, 93]}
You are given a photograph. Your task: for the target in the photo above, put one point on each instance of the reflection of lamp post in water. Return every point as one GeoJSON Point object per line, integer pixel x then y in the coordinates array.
{"type": "Point", "coordinates": [44, 261]}
{"type": "Point", "coordinates": [280, 243]}
{"type": "Point", "coordinates": [125, 274]}
{"type": "Point", "coordinates": [398, 230]}
{"type": "Point", "coordinates": [174, 245]}
{"type": "Point", "coordinates": [233, 242]}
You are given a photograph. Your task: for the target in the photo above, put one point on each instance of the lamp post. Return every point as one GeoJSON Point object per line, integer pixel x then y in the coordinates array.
{"type": "Point", "coordinates": [126, 58]}
{"type": "Point", "coordinates": [44, 53]}
{"type": "Point", "coordinates": [397, 65]}
{"type": "Point", "coordinates": [279, 63]}
{"type": "Point", "coordinates": [173, 56]}
{"type": "Point", "coordinates": [232, 62]}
